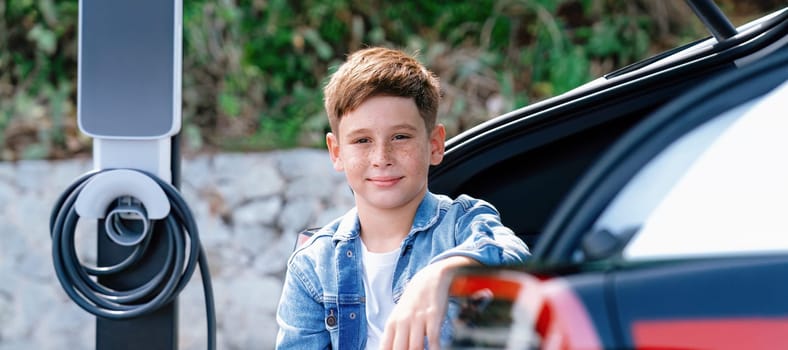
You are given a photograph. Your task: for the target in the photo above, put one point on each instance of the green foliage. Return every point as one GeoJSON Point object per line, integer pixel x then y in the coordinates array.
{"type": "Point", "coordinates": [254, 69]}
{"type": "Point", "coordinates": [38, 79]}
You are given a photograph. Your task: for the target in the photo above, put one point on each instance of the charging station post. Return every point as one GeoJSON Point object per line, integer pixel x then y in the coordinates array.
{"type": "Point", "coordinates": [130, 104]}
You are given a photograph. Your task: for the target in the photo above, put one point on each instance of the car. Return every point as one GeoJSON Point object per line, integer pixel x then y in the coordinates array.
{"type": "Point", "coordinates": [655, 200]}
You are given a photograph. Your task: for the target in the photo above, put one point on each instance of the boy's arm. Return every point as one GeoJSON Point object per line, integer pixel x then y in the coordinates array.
{"type": "Point", "coordinates": [422, 307]}
{"type": "Point", "coordinates": [481, 240]}
{"type": "Point", "coordinates": [300, 317]}
{"type": "Point", "coordinates": [481, 236]}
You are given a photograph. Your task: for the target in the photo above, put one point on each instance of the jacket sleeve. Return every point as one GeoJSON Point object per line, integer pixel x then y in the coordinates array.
{"type": "Point", "coordinates": [300, 315]}
{"type": "Point", "coordinates": [480, 235]}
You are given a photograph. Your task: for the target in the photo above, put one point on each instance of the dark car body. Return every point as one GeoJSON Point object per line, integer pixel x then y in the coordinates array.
{"type": "Point", "coordinates": [652, 199]}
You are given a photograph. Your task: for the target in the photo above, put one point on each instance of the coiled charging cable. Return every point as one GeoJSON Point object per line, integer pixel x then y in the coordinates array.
{"type": "Point", "coordinates": [161, 289]}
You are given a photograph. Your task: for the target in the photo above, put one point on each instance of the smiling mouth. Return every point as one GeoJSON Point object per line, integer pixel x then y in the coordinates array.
{"type": "Point", "coordinates": [385, 181]}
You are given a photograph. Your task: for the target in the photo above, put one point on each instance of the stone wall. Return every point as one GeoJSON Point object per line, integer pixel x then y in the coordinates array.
{"type": "Point", "coordinates": [248, 209]}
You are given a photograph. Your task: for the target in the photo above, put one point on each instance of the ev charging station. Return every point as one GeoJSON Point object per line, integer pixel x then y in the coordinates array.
{"type": "Point", "coordinates": [129, 102]}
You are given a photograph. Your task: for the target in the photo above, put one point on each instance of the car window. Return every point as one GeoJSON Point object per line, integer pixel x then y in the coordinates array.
{"type": "Point", "coordinates": [720, 189]}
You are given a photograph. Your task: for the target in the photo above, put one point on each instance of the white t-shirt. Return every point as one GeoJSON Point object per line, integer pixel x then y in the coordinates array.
{"type": "Point", "coordinates": [378, 278]}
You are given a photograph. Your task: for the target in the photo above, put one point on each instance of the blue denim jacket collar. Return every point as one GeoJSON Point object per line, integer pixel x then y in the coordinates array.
{"type": "Point", "coordinates": [426, 215]}
{"type": "Point", "coordinates": [349, 227]}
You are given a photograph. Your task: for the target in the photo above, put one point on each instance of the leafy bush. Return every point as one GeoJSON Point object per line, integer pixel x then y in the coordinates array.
{"type": "Point", "coordinates": [253, 69]}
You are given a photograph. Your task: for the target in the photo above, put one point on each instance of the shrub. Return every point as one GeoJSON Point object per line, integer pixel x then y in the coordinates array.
{"type": "Point", "coordinates": [253, 70]}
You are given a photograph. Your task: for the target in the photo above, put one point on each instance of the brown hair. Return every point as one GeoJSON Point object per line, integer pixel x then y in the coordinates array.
{"type": "Point", "coordinates": [380, 71]}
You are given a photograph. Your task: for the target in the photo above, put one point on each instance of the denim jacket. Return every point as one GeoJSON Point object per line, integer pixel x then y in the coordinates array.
{"type": "Point", "coordinates": [323, 300]}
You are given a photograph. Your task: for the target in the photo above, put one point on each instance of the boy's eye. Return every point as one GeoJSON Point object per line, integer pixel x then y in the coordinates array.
{"type": "Point", "coordinates": [361, 140]}
{"type": "Point", "coordinates": [401, 137]}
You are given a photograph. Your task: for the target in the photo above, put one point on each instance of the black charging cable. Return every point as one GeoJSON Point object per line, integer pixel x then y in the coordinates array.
{"type": "Point", "coordinates": [160, 290]}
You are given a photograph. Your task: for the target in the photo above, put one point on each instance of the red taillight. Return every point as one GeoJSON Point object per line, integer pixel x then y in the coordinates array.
{"type": "Point", "coordinates": [523, 310]}
{"type": "Point", "coordinates": [733, 333]}
{"type": "Point", "coordinates": [563, 321]}
{"type": "Point", "coordinates": [501, 287]}
{"type": "Point", "coordinates": [544, 320]}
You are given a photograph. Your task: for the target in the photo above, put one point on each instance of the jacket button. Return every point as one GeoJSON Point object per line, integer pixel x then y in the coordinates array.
{"type": "Point", "coordinates": [331, 320]}
{"type": "Point", "coordinates": [352, 315]}
{"type": "Point", "coordinates": [349, 254]}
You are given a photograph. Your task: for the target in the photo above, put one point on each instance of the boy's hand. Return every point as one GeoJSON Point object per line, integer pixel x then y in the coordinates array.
{"type": "Point", "coordinates": [422, 307]}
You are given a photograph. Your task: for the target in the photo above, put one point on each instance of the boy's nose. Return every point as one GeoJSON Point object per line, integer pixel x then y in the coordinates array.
{"type": "Point", "coordinates": [381, 156]}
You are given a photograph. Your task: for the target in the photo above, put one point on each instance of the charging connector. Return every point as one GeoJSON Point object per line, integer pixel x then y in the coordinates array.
{"type": "Point", "coordinates": [183, 256]}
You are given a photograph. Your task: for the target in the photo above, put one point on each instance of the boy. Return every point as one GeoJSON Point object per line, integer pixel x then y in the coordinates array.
{"type": "Point", "coordinates": [378, 276]}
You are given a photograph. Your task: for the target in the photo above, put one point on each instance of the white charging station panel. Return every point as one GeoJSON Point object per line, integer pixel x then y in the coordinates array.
{"type": "Point", "coordinates": [129, 68]}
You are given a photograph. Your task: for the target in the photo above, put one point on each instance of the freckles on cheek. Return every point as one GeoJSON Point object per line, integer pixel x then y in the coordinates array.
{"type": "Point", "coordinates": [353, 167]}
{"type": "Point", "coordinates": [410, 152]}
{"type": "Point", "coordinates": [414, 153]}
{"type": "Point", "coordinates": [355, 161]}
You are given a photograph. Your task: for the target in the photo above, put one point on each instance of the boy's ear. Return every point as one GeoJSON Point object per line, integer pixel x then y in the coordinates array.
{"type": "Point", "coordinates": [437, 144]}
{"type": "Point", "coordinates": [333, 151]}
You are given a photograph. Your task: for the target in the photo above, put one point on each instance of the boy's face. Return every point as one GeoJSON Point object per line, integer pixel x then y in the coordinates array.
{"type": "Point", "coordinates": [385, 151]}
